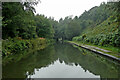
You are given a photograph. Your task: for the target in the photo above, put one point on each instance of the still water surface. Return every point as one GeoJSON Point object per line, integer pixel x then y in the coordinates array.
{"type": "Point", "coordinates": [62, 60]}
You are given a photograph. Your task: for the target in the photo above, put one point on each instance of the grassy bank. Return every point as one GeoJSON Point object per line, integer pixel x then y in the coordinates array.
{"type": "Point", "coordinates": [15, 49]}
{"type": "Point", "coordinates": [114, 51]}
{"type": "Point", "coordinates": [15, 45]}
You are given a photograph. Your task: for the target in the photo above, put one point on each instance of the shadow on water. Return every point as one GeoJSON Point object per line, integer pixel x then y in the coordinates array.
{"type": "Point", "coordinates": [60, 55]}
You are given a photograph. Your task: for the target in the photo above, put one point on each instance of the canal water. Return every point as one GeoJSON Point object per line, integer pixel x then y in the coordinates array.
{"type": "Point", "coordinates": [62, 60]}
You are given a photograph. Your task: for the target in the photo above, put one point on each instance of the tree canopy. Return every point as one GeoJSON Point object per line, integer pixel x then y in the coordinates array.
{"type": "Point", "coordinates": [19, 20]}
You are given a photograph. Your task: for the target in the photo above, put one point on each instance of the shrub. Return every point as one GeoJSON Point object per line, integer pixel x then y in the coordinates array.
{"type": "Point", "coordinates": [101, 39]}
{"type": "Point", "coordinates": [13, 46]}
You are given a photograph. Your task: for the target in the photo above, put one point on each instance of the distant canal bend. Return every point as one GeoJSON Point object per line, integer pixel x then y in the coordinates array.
{"type": "Point", "coordinates": [62, 60]}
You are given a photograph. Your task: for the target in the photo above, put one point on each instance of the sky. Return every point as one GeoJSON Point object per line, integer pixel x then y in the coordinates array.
{"type": "Point", "coordinates": [62, 8]}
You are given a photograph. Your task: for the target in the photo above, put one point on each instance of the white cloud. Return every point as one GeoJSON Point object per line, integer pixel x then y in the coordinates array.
{"type": "Point", "coordinates": [63, 8]}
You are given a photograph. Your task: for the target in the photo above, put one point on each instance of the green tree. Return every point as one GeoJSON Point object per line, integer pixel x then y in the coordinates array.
{"type": "Point", "coordinates": [43, 27]}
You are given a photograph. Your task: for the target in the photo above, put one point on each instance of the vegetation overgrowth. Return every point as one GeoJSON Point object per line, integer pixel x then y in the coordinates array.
{"type": "Point", "coordinates": [22, 29]}
{"type": "Point", "coordinates": [98, 26]}
{"type": "Point", "coordinates": [17, 49]}
{"type": "Point", "coordinates": [15, 45]}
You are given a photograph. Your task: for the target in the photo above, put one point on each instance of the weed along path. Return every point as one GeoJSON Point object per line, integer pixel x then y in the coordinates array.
{"type": "Point", "coordinates": [107, 53]}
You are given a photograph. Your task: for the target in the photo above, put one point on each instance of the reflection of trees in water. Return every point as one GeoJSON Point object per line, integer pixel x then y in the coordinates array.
{"type": "Point", "coordinates": [87, 60]}
{"type": "Point", "coordinates": [60, 61]}
{"type": "Point", "coordinates": [40, 59]}
{"type": "Point", "coordinates": [22, 54]}
{"type": "Point", "coordinates": [66, 54]}
{"type": "Point", "coordinates": [76, 64]}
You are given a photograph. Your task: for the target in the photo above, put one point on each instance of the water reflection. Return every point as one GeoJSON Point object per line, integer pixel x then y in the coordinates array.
{"type": "Point", "coordinates": [58, 70]}
{"type": "Point", "coordinates": [62, 61]}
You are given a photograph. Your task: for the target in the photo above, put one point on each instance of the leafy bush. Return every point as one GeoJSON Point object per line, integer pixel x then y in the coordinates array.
{"type": "Point", "coordinates": [13, 46]}
{"type": "Point", "coordinates": [101, 39]}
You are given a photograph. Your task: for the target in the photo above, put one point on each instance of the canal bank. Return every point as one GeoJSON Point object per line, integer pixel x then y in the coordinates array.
{"type": "Point", "coordinates": [97, 50]}
{"type": "Point", "coordinates": [16, 49]}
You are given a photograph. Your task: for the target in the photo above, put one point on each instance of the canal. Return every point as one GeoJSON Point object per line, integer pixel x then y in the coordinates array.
{"type": "Point", "coordinates": [62, 60]}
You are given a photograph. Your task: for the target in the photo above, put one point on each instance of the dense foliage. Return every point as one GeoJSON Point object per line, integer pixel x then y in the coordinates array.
{"type": "Point", "coordinates": [106, 33]}
{"type": "Point", "coordinates": [99, 25]}
{"type": "Point", "coordinates": [19, 21]}
{"type": "Point", "coordinates": [16, 45]}
{"type": "Point", "coordinates": [22, 29]}
{"type": "Point", "coordinates": [43, 27]}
